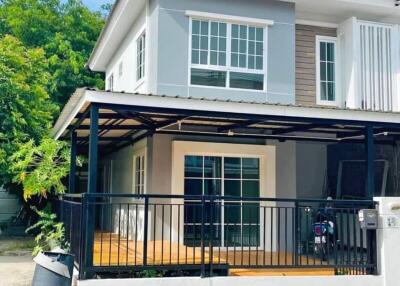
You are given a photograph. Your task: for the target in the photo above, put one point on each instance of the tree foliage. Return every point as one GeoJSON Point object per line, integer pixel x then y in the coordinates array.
{"type": "Point", "coordinates": [67, 33]}
{"type": "Point", "coordinates": [41, 168]}
{"type": "Point", "coordinates": [49, 232]}
{"type": "Point", "coordinates": [44, 45]}
{"type": "Point", "coordinates": [25, 109]}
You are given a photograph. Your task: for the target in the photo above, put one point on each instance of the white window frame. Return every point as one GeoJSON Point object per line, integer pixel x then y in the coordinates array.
{"type": "Point", "coordinates": [229, 20]}
{"type": "Point", "coordinates": [141, 34]}
{"type": "Point", "coordinates": [334, 40]}
{"type": "Point", "coordinates": [140, 154]}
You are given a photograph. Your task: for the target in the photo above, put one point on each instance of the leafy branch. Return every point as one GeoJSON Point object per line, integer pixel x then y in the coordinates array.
{"type": "Point", "coordinates": [41, 168]}
{"type": "Point", "coordinates": [50, 233]}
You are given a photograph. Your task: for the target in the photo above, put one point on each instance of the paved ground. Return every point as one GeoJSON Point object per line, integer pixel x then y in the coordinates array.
{"type": "Point", "coordinates": [16, 270]}
{"type": "Point", "coordinates": [16, 264]}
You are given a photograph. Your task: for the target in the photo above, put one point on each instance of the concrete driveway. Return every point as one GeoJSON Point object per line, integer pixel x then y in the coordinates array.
{"type": "Point", "coordinates": [16, 270]}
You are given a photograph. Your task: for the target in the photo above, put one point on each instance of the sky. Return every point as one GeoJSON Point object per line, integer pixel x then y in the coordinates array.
{"type": "Point", "coordinates": [96, 4]}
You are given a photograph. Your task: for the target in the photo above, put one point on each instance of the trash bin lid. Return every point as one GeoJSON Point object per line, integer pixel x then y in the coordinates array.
{"type": "Point", "coordinates": [52, 265]}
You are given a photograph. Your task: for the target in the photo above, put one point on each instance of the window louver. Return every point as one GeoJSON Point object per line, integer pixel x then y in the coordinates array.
{"type": "Point", "coordinates": [376, 66]}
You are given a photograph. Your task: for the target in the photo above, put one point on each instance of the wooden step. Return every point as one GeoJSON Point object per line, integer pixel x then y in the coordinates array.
{"type": "Point", "coordinates": [283, 272]}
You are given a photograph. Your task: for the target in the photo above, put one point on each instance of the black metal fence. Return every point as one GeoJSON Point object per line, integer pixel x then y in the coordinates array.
{"type": "Point", "coordinates": [70, 211]}
{"type": "Point", "coordinates": [216, 234]}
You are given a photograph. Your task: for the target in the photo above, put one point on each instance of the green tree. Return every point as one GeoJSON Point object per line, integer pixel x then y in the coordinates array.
{"type": "Point", "coordinates": [41, 168]}
{"type": "Point", "coordinates": [67, 33]}
{"type": "Point", "coordinates": [25, 109]}
{"type": "Point", "coordinates": [44, 47]}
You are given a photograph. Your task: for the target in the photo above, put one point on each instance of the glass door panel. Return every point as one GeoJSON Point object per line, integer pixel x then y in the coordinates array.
{"type": "Point", "coordinates": [234, 222]}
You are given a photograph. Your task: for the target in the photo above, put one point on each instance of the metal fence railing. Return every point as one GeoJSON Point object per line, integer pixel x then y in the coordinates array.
{"type": "Point", "coordinates": [69, 210]}
{"type": "Point", "coordinates": [217, 234]}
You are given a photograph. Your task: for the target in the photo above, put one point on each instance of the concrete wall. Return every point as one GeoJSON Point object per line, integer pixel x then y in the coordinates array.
{"type": "Point", "coordinates": [366, 280]}
{"type": "Point", "coordinates": [116, 215]}
{"type": "Point", "coordinates": [9, 206]}
{"type": "Point", "coordinates": [173, 48]}
{"type": "Point", "coordinates": [288, 177]}
{"type": "Point", "coordinates": [311, 170]}
{"type": "Point", "coordinates": [167, 60]}
{"type": "Point", "coordinates": [126, 54]}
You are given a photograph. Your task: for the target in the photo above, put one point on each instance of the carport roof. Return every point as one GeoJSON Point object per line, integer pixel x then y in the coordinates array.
{"type": "Point", "coordinates": [127, 117]}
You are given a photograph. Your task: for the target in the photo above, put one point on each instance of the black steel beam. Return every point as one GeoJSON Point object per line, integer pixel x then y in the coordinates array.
{"type": "Point", "coordinates": [72, 166]}
{"type": "Point", "coordinates": [246, 116]}
{"type": "Point", "coordinates": [238, 125]}
{"type": "Point", "coordinates": [104, 138]}
{"type": "Point", "coordinates": [111, 127]}
{"type": "Point", "coordinates": [249, 136]}
{"type": "Point", "coordinates": [138, 117]}
{"type": "Point", "coordinates": [370, 158]}
{"type": "Point", "coordinates": [300, 128]}
{"type": "Point", "coordinates": [92, 185]}
{"type": "Point", "coordinates": [139, 135]}
{"type": "Point", "coordinates": [81, 118]}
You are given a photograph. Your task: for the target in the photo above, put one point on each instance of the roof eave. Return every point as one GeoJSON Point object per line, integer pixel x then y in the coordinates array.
{"type": "Point", "coordinates": [91, 63]}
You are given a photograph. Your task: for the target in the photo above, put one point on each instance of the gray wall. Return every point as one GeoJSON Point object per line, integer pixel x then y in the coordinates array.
{"type": "Point", "coordinates": [305, 62]}
{"type": "Point", "coordinates": [9, 206]}
{"type": "Point", "coordinates": [172, 28]}
{"type": "Point", "coordinates": [311, 170]}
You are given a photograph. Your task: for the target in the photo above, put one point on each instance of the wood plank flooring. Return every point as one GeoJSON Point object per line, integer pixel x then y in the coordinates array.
{"type": "Point", "coordinates": [130, 253]}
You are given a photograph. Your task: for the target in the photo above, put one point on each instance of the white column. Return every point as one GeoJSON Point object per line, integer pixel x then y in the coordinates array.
{"type": "Point", "coordinates": [388, 240]}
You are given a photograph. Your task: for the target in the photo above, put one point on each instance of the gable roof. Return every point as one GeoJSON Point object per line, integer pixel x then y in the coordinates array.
{"type": "Point", "coordinates": [119, 21]}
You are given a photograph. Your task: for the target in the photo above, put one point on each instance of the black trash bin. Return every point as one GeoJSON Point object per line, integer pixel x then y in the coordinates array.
{"type": "Point", "coordinates": [53, 269]}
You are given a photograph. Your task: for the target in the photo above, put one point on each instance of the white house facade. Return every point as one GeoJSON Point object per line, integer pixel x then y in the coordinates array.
{"type": "Point", "coordinates": [238, 138]}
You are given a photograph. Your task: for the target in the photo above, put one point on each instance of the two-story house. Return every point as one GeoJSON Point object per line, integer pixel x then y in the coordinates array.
{"type": "Point", "coordinates": [224, 127]}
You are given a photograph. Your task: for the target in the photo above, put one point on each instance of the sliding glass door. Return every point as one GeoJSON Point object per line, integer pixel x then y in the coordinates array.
{"type": "Point", "coordinates": [235, 222]}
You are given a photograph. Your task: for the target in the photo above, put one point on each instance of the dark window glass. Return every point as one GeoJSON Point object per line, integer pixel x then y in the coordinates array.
{"type": "Point", "coordinates": [208, 77]}
{"type": "Point", "coordinates": [251, 213]}
{"type": "Point", "coordinates": [232, 212]}
{"type": "Point", "coordinates": [251, 235]}
{"type": "Point", "coordinates": [322, 52]}
{"type": "Point", "coordinates": [233, 235]}
{"type": "Point", "coordinates": [194, 166]}
{"type": "Point", "coordinates": [246, 81]}
{"type": "Point", "coordinates": [212, 167]}
{"type": "Point", "coordinates": [232, 188]}
{"type": "Point", "coordinates": [250, 168]}
{"type": "Point", "coordinates": [251, 188]}
{"type": "Point", "coordinates": [232, 168]}
{"type": "Point", "coordinates": [194, 187]}
{"type": "Point", "coordinates": [212, 187]}
{"type": "Point", "coordinates": [331, 91]}
{"type": "Point", "coordinates": [330, 52]}
{"type": "Point", "coordinates": [192, 212]}
{"type": "Point", "coordinates": [323, 91]}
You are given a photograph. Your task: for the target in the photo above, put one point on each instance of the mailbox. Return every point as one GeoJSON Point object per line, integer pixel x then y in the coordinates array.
{"type": "Point", "coordinates": [368, 218]}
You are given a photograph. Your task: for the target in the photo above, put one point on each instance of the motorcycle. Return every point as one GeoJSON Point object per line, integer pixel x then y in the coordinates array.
{"type": "Point", "coordinates": [324, 230]}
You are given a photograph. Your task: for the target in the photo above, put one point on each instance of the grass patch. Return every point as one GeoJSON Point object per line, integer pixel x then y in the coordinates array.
{"type": "Point", "coordinates": [16, 244]}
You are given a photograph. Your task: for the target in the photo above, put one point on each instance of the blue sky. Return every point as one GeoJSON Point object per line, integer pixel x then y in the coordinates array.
{"type": "Point", "coordinates": [96, 4]}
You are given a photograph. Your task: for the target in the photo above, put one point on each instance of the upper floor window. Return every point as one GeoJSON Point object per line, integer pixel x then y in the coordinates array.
{"type": "Point", "coordinates": [227, 55]}
{"type": "Point", "coordinates": [326, 70]}
{"type": "Point", "coordinates": [140, 56]}
{"type": "Point", "coordinates": [110, 82]}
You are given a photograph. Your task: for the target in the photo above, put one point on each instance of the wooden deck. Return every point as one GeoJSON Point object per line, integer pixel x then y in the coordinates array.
{"type": "Point", "coordinates": [130, 253]}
